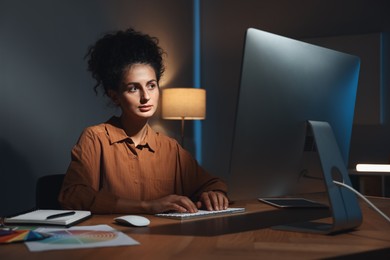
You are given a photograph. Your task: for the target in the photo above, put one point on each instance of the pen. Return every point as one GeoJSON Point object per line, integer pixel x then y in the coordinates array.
{"type": "Point", "coordinates": [64, 214]}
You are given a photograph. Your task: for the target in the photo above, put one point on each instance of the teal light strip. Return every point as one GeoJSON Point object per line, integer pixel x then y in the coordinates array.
{"type": "Point", "coordinates": [197, 77]}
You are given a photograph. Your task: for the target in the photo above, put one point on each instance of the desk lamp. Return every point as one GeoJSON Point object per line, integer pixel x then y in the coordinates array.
{"type": "Point", "coordinates": [183, 104]}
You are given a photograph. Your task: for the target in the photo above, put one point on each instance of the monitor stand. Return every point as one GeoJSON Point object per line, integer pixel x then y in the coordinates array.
{"type": "Point", "coordinates": [344, 206]}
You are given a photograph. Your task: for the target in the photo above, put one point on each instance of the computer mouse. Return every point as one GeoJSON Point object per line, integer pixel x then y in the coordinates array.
{"type": "Point", "coordinates": [133, 220]}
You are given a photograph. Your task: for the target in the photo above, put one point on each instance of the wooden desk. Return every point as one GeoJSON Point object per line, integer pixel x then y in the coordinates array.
{"type": "Point", "coordinates": [244, 236]}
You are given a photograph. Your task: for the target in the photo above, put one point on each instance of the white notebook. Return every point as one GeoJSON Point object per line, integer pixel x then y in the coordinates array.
{"type": "Point", "coordinates": [50, 217]}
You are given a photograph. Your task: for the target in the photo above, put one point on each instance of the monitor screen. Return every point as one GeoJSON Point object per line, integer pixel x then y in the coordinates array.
{"type": "Point", "coordinates": [284, 83]}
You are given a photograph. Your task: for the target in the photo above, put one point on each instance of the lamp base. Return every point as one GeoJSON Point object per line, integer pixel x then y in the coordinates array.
{"type": "Point", "coordinates": [182, 132]}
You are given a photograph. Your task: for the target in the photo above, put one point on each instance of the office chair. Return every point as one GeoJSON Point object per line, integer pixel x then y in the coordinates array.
{"type": "Point", "coordinates": [47, 190]}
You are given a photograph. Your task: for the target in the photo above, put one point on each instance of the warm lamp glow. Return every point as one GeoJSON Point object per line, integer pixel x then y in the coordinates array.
{"type": "Point", "coordinates": [184, 103]}
{"type": "Point", "coordinates": [373, 167]}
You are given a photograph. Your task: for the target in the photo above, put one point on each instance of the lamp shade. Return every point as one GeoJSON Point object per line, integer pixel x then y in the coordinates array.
{"type": "Point", "coordinates": [184, 103]}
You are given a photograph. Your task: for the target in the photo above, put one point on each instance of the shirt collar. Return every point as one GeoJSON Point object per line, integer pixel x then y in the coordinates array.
{"type": "Point", "coordinates": [149, 141]}
{"type": "Point", "coordinates": [117, 134]}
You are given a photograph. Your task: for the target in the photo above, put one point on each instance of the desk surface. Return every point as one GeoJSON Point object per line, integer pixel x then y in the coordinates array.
{"type": "Point", "coordinates": [244, 236]}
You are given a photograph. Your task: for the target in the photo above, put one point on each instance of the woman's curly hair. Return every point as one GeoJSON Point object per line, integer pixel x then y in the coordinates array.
{"type": "Point", "coordinates": [112, 55]}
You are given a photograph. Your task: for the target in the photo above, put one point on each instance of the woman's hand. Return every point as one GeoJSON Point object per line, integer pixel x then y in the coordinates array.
{"type": "Point", "coordinates": [171, 203]}
{"type": "Point", "coordinates": [213, 200]}
{"type": "Point", "coordinates": [210, 200]}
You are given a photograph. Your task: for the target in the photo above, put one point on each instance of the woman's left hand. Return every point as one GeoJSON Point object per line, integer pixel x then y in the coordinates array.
{"type": "Point", "coordinates": [213, 200]}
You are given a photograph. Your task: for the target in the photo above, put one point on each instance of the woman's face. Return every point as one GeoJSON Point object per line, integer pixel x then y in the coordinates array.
{"type": "Point", "coordinates": [138, 94]}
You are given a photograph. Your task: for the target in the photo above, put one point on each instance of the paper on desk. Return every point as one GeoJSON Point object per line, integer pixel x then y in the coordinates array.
{"type": "Point", "coordinates": [80, 237]}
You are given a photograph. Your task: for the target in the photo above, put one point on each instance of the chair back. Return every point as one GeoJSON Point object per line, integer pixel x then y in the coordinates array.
{"type": "Point", "coordinates": [47, 190]}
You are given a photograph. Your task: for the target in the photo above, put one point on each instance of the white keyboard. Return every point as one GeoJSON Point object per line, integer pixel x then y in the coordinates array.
{"type": "Point", "coordinates": [200, 213]}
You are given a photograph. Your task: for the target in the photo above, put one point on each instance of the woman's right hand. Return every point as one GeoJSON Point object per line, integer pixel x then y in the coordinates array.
{"type": "Point", "coordinates": [171, 203]}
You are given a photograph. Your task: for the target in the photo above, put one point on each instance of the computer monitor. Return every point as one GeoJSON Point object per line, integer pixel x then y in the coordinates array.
{"type": "Point", "coordinates": [285, 83]}
{"type": "Point", "coordinates": [293, 125]}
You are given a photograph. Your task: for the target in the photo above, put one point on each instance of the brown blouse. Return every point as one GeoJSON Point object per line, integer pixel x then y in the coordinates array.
{"type": "Point", "coordinates": [106, 166]}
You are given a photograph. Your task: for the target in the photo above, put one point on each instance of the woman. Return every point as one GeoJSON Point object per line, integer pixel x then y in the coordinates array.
{"type": "Point", "coordinates": [123, 165]}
